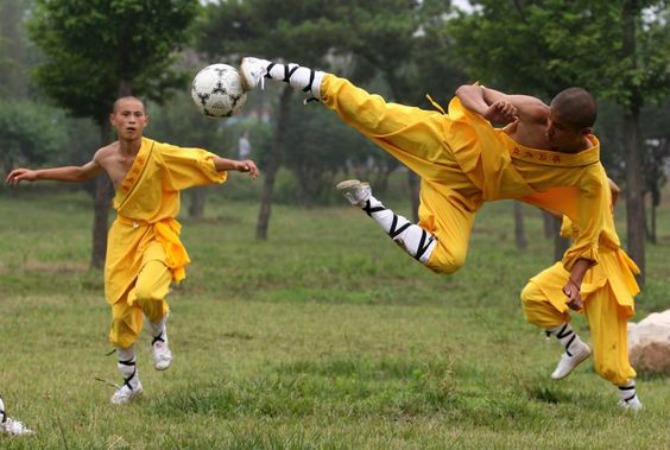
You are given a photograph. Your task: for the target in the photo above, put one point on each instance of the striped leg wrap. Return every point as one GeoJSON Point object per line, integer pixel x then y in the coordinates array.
{"type": "Point", "coordinates": [297, 76]}
{"type": "Point", "coordinates": [369, 209]}
{"type": "Point", "coordinates": [424, 244]}
{"type": "Point", "coordinates": [3, 415]}
{"type": "Point", "coordinates": [565, 335]}
{"type": "Point", "coordinates": [627, 392]}
{"type": "Point", "coordinates": [415, 240]}
{"type": "Point", "coordinates": [124, 367]}
{"type": "Point", "coordinates": [158, 338]}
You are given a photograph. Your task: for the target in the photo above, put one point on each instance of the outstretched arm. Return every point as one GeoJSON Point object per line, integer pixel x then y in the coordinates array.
{"type": "Point", "coordinates": [246, 165]}
{"type": "Point", "coordinates": [72, 174]}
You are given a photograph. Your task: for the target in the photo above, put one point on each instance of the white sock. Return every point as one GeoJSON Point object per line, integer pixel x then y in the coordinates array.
{"type": "Point", "coordinates": [127, 366]}
{"type": "Point", "coordinates": [158, 329]}
{"type": "Point", "coordinates": [627, 391]}
{"type": "Point", "coordinates": [416, 241]}
{"type": "Point", "coordinates": [303, 78]}
{"type": "Point", "coordinates": [566, 336]}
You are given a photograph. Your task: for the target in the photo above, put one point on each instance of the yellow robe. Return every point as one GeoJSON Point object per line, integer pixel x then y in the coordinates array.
{"type": "Point", "coordinates": [146, 204]}
{"type": "Point", "coordinates": [463, 161]}
{"type": "Point", "coordinates": [607, 291]}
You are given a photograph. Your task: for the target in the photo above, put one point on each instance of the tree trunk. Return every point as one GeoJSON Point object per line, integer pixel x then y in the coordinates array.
{"type": "Point", "coordinates": [196, 210]}
{"type": "Point", "coordinates": [519, 228]}
{"type": "Point", "coordinates": [274, 160]}
{"type": "Point", "coordinates": [561, 244]}
{"type": "Point", "coordinates": [652, 227]}
{"type": "Point", "coordinates": [103, 195]}
{"type": "Point", "coordinates": [634, 187]}
{"type": "Point", "coordinates": [381, 182]}
{"type": "Point", "coordinates": [101, 201]}
{"type": "Point", "coordinates": [125, 88]}
{"type": "Point", "coordinates": [552, 229]}
{"type": "Point", "coordinates": [549, 224]}
{"type": "Point", "coordinates": [414, 191]}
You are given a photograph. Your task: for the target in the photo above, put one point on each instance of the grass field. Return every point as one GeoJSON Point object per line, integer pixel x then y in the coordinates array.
{"type": "Point", "coordinates": [325, 336]}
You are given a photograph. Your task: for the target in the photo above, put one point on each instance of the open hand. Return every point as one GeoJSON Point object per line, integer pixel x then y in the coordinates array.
{"type": "Point", "coordinates": [18, 175]}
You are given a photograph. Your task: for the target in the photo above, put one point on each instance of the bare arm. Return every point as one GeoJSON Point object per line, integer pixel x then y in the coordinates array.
{"type": "Point", "coordinates": [246, 165]}
{"type": "Point", "coordinates": [72, 174]}
{"type": "Point", "coordinates": [472, 97]}
{"type": "Point", "coordinates": [499, 107]}
{"type": "Point", "coordinates": [573, 288]}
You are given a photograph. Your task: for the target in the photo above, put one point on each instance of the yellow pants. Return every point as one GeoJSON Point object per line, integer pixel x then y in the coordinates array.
{"type": "Point", "coordinates": [449, 199]}
{"type": "Point", "coordinates": [145, 298]}
{"type": "Point", "coordinates": [608, 321]}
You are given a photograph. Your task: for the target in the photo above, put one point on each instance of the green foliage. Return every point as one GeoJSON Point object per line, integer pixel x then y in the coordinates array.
{"type": "Point", "coordinates": [542, 46]}
{"type": "Point", "coordinates": [296, 30]}
{"type": "Point", "coordinates": [398, 42]}
{"type": "Point", "coordinates": [97, 49]}
{"type": "Point", "coordinates": [15, 52]}
{"type": "Point", "coordinates": [30, 133]}
{"type": "Point", "coordinates": [178, 122]}
{"type": "Point", "coordinates": [318, 150]}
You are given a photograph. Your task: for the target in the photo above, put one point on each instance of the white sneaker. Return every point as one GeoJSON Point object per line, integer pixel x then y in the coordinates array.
{"type": "Point", "coordinates": [568, 363]}
{"type": "Point", "coordinates": [252, 72]}
{"type": "Point", "coordinates": [161, 354]}
{"type": "Point", "coordinates": [11, 426]}
{"type": "Point", "coordinates": [14, 427]}
{"type": "Point", "coordinates": [634, 404]}
{"type": "Point", "coordinates": [124, 394]}
{"type": "Point", "coordinates": [356, 191]}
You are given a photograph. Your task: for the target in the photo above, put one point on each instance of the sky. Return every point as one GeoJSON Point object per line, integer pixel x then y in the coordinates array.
{"type": "Point", "coordinates": [463, 4]}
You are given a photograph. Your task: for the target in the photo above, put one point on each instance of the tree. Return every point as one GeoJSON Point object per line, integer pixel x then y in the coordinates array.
{"type": "Point", "coordinates": [320, 146]}
{"type": "Point", "coordinates": [14, 52]}
{"type": "Point", "coordinates": [656, 156]}
{"type": "Point", "coordinates": [543, 46]}
{"type": "Point", "coordinates": [519, 227]}
{"type": "Point", "coordinates": [360, 40]}
{"type": "Point", "coordinates": [99, 49]}
{"type": "Point", "coordinates": [405, 43]}
{"type": "Point", "coordinates": [289, 29]}
{"type": "Point", "coordinates": [29, 133]}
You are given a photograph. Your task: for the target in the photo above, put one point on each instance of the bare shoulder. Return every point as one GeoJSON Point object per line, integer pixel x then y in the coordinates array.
{"type": "Point", "coordinates": [532, 109]}
{"type": "Point", "coordinates": [106, 152]}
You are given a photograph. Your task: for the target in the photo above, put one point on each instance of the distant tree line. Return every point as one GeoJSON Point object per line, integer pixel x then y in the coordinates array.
{"type": "Point", "coordinates": [78, 55]}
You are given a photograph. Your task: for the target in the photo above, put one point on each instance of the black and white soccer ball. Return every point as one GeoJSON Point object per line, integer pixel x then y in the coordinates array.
{"type": "Point", "coordinates": [217, 91]}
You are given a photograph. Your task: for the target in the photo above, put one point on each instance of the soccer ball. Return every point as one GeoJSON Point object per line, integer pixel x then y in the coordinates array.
{"type": "Point", "coordinates": [217, 91]}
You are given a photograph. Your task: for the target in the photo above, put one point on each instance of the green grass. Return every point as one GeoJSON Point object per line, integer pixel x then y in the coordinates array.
{"type": "Point", "coordinates": [325, 336]}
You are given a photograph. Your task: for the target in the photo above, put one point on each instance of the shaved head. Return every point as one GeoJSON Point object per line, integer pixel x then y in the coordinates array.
{"type": "Point", "coordinates": [125, 99]}
{"type": "Point", "coordinates": [576, 107]}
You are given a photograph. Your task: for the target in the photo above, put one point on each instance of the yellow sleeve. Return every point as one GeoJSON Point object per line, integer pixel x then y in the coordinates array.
{"type": "Point", "coordinates": [568, 230]}
{"type": "Point", "coordinates": [189, 167]}
{"type": "Point", "coordinates": [584, 200]}
{"type": "Point", "coordinates": [589, 220]}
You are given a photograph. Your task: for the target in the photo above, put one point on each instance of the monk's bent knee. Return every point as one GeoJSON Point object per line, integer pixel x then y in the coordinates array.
{"type": "Point", "coordinates": [445, 262]}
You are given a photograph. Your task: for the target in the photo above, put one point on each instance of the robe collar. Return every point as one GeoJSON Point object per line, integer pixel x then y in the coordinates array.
{"type": "Point", "coordinates": [135, 173]}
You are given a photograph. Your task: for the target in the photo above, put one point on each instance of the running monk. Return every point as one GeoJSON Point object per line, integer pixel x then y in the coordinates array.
{"type": "Point", "coordinates": [144, 252]}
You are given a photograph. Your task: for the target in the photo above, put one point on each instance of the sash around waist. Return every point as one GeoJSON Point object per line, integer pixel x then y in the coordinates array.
{"type": "Point", "coordinates": [167, 232]}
